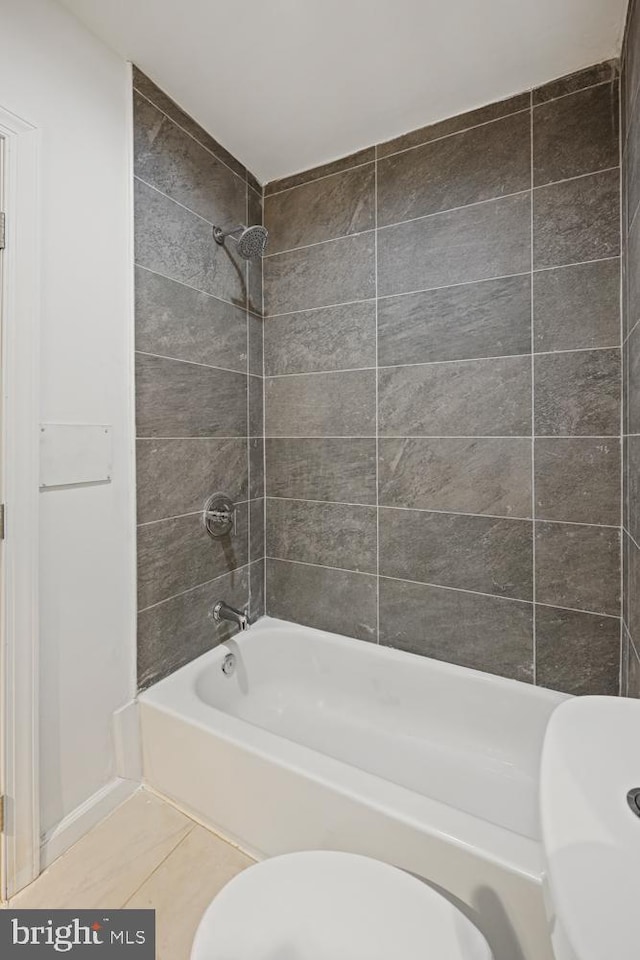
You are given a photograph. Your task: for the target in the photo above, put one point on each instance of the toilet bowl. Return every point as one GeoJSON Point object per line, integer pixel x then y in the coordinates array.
{"type": "Point", "coordinates": [321, 905]}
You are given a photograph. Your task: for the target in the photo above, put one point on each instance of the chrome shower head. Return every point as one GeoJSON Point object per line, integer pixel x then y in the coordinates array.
{"type": "Point", "coordinates": [251, 243]}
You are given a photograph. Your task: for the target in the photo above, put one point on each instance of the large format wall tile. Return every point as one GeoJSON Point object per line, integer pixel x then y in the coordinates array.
{"type": "Point", "coordinates": [632, 672]}
{"type": "Point", "coordinates": [256, 406]}
{"type": "Point", "coordinates": [490, 476]}
{"type": "Point", "coordinates": [323, 209]}
{"type": "Point", "coordinates": [356, 159]}
{"type": "Point", "coordinates": [578, 653]}
{"type": "Point", "coordinates": [633, 275]}
{"type": "Point", "coordinates": [155, 95]}
{"type": "Point", "coordinates": [578, 479]}
{"type": "Point", "coordinates": [472, 553]}
{"type": "Point", "coordinates": [173, 162]}
{"type": "Point", "coordinates": [633, 485]}
{"type": "Point", "coordinates": [577, 220]}
{"type": "Point", "coordinates": [331, 534]}
{"type": "Point", "coordinates": [171, 240]}
{"type": "Point", "coordinates": [491, 318]}
{"type": "Point", "coordinates": [484, 633]}
{"type": "Point", "coordinates": [633, 387]}
{"type": "Point", "coordinates": [173, 320]}
{"type": "Point", "coordinates": [175, 477]}
{"type": "Point", "coordinates": [578, 566]}
{"type": "Point", "coordinates": [631, 173]}
{"type": "Point", "coordinates": [605, 72]}
{"type": "Point", "coordinates": [338, 271]}
{"type": "Point", "coordinates": [487, 240]}
{"type": "Point", "coordinates": [322, 469]}
{"type": "Point", "coordinates": [180, 629]}
{"type": "Point", "coordinates": [463, 121]}
{"type": "Point", "coordinates": [176, 399]}
{"type": "Point", "coordinates": [485, 162]}
{"type": "Point", "coordinates": [576, 134]}
{"type": "Point", "coordinates": [334, 600]}
{"type": "Point", "coordinates": [257, 510]}
{"type": "Point", "coordinates": [466, 398]}
{"type": "Point", "coordinates": [330, 338]}
{"type": "Point", "coordinates": [321, 404]}
{"type": "Point", "coordinates": [578, 393]}
{"type": "Point", "coordinates": [175, 555]}
{"type": "Point", "coordinates": [577, 307]}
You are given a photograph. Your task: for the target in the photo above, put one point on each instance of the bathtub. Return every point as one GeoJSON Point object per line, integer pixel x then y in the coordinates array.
{"type": "Point", "coordinates": [317, 741]}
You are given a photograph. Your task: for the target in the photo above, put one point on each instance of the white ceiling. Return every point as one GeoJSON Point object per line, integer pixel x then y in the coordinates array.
{"type": "Point", "coordinates": [288, 84]}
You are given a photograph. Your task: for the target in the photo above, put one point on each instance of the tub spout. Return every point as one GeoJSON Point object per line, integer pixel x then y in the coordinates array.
{"type": "Point", "coordinates": [223, 611]}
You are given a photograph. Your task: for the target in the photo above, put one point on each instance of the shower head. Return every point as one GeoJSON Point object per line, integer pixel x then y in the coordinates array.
{"type": "Point", "coordinates": [251, 242]}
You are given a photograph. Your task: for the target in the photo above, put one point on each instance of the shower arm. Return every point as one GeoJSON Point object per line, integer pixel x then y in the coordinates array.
{"type": "Point", "coordinates": [219, 234]}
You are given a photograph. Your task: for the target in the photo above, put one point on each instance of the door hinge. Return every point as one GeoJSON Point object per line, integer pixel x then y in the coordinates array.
{"type": "Point", "coordinates": [3, 807]}
{"type": "Point", "coordinates": [2, 512]}
{"type": "Point", "coordinates": [3, 219]}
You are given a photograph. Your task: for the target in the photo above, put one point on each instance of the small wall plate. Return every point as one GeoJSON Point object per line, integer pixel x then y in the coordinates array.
{"type": "Point", "coordinates": [219, 516]}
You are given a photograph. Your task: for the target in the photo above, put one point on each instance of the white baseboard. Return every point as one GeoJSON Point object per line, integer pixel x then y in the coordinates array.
{"type": "Point", "coordinates": [83, 818]}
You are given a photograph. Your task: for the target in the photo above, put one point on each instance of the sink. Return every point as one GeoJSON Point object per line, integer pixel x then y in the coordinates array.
{"type": "Point", "coordinates": [591, 836]}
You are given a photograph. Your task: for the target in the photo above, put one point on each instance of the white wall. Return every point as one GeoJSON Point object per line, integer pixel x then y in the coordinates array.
{"type": "Point", "coordinates": [63, 80]}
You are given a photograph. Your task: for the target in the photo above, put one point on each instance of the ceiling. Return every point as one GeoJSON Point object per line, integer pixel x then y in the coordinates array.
{"type": "Point", "coordinates": [285, 85]}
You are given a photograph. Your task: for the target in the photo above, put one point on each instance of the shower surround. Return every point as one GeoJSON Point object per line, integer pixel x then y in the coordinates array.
{"type": "Point", "coordinates": [630, 87]}
{"type": "Point", "coordinates": [198, 384]}
{"type": "Point", "coordinates": [442, 390]}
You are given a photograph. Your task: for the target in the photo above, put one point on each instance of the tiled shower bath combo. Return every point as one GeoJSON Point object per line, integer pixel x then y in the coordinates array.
{"type": "Point", "coordinates": [442, 388]}
{"type": "Point", "coordinates": [439, 450]}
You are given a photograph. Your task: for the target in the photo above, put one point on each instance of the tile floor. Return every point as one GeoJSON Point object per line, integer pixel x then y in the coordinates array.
{"type": "Point", "coordinates": [146, 854]}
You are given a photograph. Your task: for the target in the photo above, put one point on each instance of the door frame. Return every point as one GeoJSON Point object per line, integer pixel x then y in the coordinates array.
{"type": "Point", "coordinates": [20, 313]}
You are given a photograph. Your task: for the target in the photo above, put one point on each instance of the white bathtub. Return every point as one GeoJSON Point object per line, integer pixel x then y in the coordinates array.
{"type": "Point", "coordinates": [322, 742]}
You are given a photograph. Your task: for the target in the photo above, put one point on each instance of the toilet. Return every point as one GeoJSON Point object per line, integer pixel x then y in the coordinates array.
{"type": "Point", "coordinates": [323, 905]}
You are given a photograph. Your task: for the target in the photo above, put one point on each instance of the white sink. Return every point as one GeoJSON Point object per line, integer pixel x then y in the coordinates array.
{"type": "Point", "coordinates": [590, 761]}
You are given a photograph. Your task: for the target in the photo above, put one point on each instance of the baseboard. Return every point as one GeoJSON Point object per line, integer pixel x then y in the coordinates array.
{"type": "Point", "coordinates": [83, 818]}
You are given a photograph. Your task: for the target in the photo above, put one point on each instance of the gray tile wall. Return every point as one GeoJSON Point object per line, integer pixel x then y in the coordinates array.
{"type": "Point", "coordinates": [199, 385]}
{"type": "Point", "coordinates": [630, 139]}
{"type": "Point", "coordinates": [442, 390]}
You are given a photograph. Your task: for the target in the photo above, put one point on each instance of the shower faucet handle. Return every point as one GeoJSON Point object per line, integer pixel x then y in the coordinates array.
{"type": "Point", "coordinates": [219, 516]}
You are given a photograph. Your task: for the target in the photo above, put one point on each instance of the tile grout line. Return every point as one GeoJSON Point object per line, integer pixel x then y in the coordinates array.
{"type": "Point", "coordinates": [197, 586]}
{"type": "Point", "coordinates": [178, 203]}
{"type": "Point", "coordinates": [438, 512]}
{"type": "Point", "coordinates": [157, 867]}
{"type": "Point", "coordinates": [193, 363]}
{"type": "Point", "coordinates": [427, 363]}
{"type": "Point", "coordinates": [410, 293]}
{"type": "Point", "coordinates": [442, 586]}
{"type": "Point", "coordinates": [192, 513]}
{"type": "Point", "coordinates": [533, 424]}
{"type": "Point", "coordinates": [189, 286]}
{"type": "Point", "coordinates": [325, 176]}
{"type": "Point", "coordinates": [419, 436]}
{"type": "Point", "coordinates": [424, 216]}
